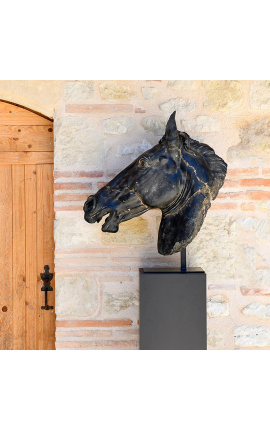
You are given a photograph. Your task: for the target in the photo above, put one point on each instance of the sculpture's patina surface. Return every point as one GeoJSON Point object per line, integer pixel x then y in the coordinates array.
{"type": "Point", "coordinates": [178, 175]}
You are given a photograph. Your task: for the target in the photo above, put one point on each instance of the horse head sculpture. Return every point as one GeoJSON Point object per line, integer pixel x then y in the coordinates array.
{"type": "Point", "coordinates": [178, 175]}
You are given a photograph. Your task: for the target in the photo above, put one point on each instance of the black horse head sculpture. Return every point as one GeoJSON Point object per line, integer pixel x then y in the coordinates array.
{"type": "Point", "coordinates": [178, 175]}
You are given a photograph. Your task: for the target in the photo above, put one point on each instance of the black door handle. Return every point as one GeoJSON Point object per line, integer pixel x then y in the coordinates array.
{"type": "Point", "coordinates": [46, 278]}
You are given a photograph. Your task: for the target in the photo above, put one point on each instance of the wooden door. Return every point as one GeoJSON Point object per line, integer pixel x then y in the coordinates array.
{"type": "Point", "coordinates": [26, 228]}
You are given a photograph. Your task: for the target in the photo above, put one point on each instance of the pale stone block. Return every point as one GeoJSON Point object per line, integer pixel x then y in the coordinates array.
{"type": "Point", "coordinates": [258, 310]}
{"type": "Point", "coordinates": [260, 95]}
{"type": "Point", "coordinates": [134, 150]}
{"type": "Point", "coordinates": [117, 125]}
{"type": "Point", "coordinates": [249, 335]}
{"type": "Point", "coordinates": [121, 299]}
{"type": "Point", "coordinates": [202, 124]}
{"type": "Point", "coordinates": [261, 227]}
{"type": "Point", "coordinates": [149, 92]}
{"type": "Point", "coordinates": [75, 232]}
{"type": "Point", "coordinates": [156, 124]}
{"type": "Point", "coordinates": [115, 91]}
{"type": "Point", "coordinates": [177, 104]}
{"type": "Point", "coordinates": [184, 85]}
{"type": "Point", "coordinates": [254, 145]}
{"type": "Point", "coordinates": [215, 248]}
{"type": "Point", "coordinates": [132, 232]}
{"type": "Point", "coordinates": [78, 146]}
{"type": "Point", "coordinates": [217, 306]}
{"type": "Point", "coordinates": [246, 261]}
{"type": "Point", "coordinates": [215, 339]}
{"type": "Point", "coordinates": [223, 95]}
{"type": "Point", "coordinates": [75, 296]}
{"type": "Point", "coordinates": [116, 302]}
{"type": "Point", "coordinates": [262, 277]}
{"type": "Point", "coordinates": [79, 91]}
{"type": "Point", "coordinates": [256, 136]}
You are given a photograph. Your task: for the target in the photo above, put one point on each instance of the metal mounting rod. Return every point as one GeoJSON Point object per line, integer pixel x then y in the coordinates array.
{"type": "Point", "coordinates": [184, 260]}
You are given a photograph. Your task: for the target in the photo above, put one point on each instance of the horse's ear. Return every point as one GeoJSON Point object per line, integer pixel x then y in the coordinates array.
{"type": "Point", "coordinates": [171, 132]}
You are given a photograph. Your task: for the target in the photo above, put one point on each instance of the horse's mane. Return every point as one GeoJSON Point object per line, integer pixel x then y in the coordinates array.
{"type": "Point", "coordinates": [217, 166]}
{"type": "Point", "coordinates": [179, 227]}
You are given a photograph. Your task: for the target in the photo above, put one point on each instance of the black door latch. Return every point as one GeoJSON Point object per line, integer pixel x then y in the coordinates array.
{"type": "Point", "coordinates": [46, 278]}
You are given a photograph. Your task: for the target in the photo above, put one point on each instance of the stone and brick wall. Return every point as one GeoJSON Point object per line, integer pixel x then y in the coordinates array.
{"type": "Point", "coordinates": [100, 127]}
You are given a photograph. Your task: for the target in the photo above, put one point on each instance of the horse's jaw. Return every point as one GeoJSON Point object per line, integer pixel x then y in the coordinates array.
{"type": "Point", "coordinates": [111, 223]}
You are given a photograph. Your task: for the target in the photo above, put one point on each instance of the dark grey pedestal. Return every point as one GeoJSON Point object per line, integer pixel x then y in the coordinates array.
{"type": "Point", "coordinates": [173, 309]}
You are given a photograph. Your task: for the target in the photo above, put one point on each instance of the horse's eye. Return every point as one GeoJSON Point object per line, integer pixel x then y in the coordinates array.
{"type": "Point", "coordinates": [143, 163]}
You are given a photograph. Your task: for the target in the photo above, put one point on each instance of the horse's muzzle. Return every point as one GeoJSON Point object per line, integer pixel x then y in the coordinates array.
{"type": "Point", "coordinates": [90, 204]}
{"type": "Point", "coordinates": [89, 209]}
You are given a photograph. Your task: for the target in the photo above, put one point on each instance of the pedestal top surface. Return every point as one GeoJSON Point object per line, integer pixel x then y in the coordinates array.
{"type": "Point", "coordinates": [171, 270]}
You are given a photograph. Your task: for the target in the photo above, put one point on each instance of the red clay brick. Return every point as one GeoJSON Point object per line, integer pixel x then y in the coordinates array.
{"type": "Point", "coordinates": [223, 206]}
{"type": "Point", "coordinates": [70, 197]}
{"type": "Point", "coordinates": [128, 332]}
{"type": "Point", "coordinates": [86, 269]}
{"type": "Point", "coordinates": [123, 250]}
{"type": "Point", "coordinates": [246, 291]}
{"type": "Point", "coordinates": [259, 195]}
{"type": "Point", "coordinates": [97, 333]}
{"type": "Point", "coordinates": [94, 323]}
{"type": "Point", "coordinates": [247, 207]}
{"type": "Point", "coordinates": [86, 260]}
{"type": "Point", "coordinates": [234, 173]}
{"type": "Point", "coordinates": [110, 344]}
{"type": "Point", "coordinates": [245, 195]}
{"type": "Point", "coordinates": [109, 278]}
{"type": "Point", "coordinates": [111, 174]}
{"type": "Point", "coordinates": [99, 108]}
{"type": "Point", "coordinates": [84, 333]}
{"type": "Point", "coordinates": [73, 186]}
{"type": "Point", "coordinates": [231, 183]}
{"type": "Point", "coordinates": [67, 208]}
{"type": "Point", "coordinates": [139, 110]}
{"type": "Point", "coordinates": [239, 195]}
{"type": "Point", "coordinates": [101, 184]}
{"type": "Point", "coordinates": [93, 174]}
{"type": "Point", "coordinates": [257, 182]}
{"type": "Point", "coordinates": [266, 171]}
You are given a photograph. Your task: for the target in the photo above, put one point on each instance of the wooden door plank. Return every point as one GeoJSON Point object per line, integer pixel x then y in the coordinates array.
{"type": "Point", "coordinates": [45, 252]}
{"type": "Point", "coordinates": [13, 115]}
{"type": "Point", "coordinates": [6, 257]}
{"type": "Point", "coordinates": [27, 144]}
{"type": "Point", "coordinates": [31, 313]}
{"type": "Point", "coordinates": [18, 131]}
{"type": "Point", "coordinates": [18, 292]}
{"type": "Point", "coordinates": [26, 157]}
{"type": "Point", "coordinates": [26, 119]}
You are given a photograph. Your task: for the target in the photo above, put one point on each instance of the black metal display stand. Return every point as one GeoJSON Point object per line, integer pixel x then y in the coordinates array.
{"type": "Point", "coordinates": [173, 308]}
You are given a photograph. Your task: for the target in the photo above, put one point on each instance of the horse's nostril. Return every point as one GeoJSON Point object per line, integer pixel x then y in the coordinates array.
{"type": "Point", "coordinates": [90, 204]}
